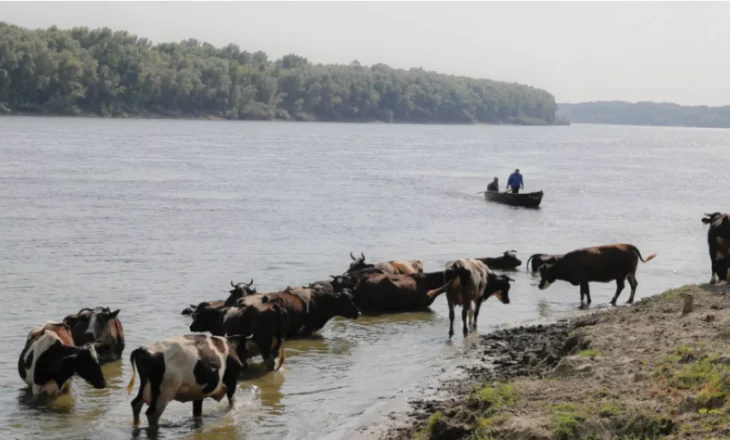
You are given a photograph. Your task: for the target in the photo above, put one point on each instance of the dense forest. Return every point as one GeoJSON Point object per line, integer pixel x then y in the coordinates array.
{"type": "Point", "coordinates": [646, 113]}
{"type": "Point", "coordinates": [112, 73]}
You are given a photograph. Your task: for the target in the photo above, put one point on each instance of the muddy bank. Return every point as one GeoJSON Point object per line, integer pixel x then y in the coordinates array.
{"type": "Point", "coordinates": [652, 370]}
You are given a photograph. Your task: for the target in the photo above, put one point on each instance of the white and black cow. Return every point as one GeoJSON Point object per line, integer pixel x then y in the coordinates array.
{"type": "Point", "coordinates": [49, 360]}
{"type": "Point", "coordinates": [185, 368]}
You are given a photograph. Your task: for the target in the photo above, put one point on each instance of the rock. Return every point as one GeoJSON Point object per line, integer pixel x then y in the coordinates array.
{"type": "Point", "coordinates": [709, 318]}
{"type": "Point", "coordinates": [723, 359]}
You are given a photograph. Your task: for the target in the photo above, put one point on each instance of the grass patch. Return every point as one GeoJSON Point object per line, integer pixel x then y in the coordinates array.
{"type": "Point", "coordinates": [496, 397]}
{"type": "Point", "coordinates": [567, 418]}
{"type": "Point", "coordinates": [427, 431]}
{"type": "Point", "coordinates": [689, 369]}
{"type": "Point", "coordinates": [589, 353]}
{"type": "Point", "coordinates": [610, 409]}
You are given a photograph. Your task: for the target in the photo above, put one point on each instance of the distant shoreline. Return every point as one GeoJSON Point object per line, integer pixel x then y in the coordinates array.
{"type": "Point", "coordinates": [218, 118]}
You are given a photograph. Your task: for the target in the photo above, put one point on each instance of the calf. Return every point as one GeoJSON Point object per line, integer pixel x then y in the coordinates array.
{"type": "Point", "coordinates": [239, 291]}
{"type": "Point", "coordinates": [396, 293]}
{"type": "Point", "coordinates": [718, 240]}
{"type": "Point", "coordinates": [308, 309]}
{"type": "Point", "coordinates": [266, 323]}
{"type": "Point", "coordinates": [403, 267]}
{"type": "Point", "coordinates": [601, 263]}
{"type": "Point", "coordinates": [49, 360]}
{"type": "Point", "coordinates": [101, 327]}
{"type": "Point", "coordinates": [540, 259]}
{"type": "Point", "coordinates": [507, 261]}
{"type": "Point", "coordinates": [470, 281]}
{"type": "Point", "coordinates": [184, 368]}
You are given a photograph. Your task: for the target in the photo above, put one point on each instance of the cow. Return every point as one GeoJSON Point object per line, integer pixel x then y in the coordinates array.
{"type": "Point", "coordinates": [309, 309]}
{"type": "Point", "coordinates": [337, 284]}
{"type": "Point", "coordinates": [600, 263]}
{"type": "Point", "coordinates": [266, 323]}
{"type": "Point", "coordinates": [50, 359]}
{"type": "Point", "coordinates": [101, 327]}
{"type": "Point", "coordinates": [403, 267]}
{"type": "Point", "coordinates": [507, 261]}
{"type": "Point", "coordinates": [540, 259]}
{"type": "Point", "coordinates": [379, 293]}
{"type": "Point", "coordinates": [239, 291]}
{"type": "Point", "coordinates": [718, 239]}
{"type": "Point", "coordinates": [470, 282]}
{"type": "Point", "coordinates": [184, 368]}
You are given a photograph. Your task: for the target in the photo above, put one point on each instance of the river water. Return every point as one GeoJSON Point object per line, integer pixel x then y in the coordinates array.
{"type": "Point", "coordinates": [150, 215]}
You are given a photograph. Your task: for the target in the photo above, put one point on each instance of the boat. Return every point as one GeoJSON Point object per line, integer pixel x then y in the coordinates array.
{"type": "Point", "coordinates": [526, 200]}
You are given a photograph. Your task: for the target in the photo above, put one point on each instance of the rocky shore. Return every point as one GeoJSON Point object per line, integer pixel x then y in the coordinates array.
{"type": "Point", "coordinates": [657, 369]}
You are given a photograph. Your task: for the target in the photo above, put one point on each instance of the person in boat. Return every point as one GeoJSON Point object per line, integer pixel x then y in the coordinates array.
{"type": "Point", "coordinates": [494, 186]}
{"type": "Point", "coordinates": [515, 182]}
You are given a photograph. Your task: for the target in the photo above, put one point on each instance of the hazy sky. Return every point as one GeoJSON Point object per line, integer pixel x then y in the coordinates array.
{"type": "Point", "coordinates": [675, 52]}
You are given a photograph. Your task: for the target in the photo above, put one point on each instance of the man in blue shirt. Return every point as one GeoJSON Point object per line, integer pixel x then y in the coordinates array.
{"type": "Point", "coordinates": [515, 182]}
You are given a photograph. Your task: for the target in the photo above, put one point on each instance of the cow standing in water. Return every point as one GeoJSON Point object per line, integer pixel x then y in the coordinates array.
{"type": "Point", "coordinates": [49, 360]}
{"type": "Point", "coordinates": [404, 267]}
{"type": "Point", "coordinates": [600, 263]}
{"type": "Point", "coordinates": [539, 259]}
{"type": "Point", "coordinates": [507, 261]}
{"type": "Point", "coordinates": [101, 327]}
{"type": "Point", "coordinates": [185, 368]}
{"type": "Point", "coordinates": [718, 240]}
{"type": "Point", "coordinates": [238, 291]}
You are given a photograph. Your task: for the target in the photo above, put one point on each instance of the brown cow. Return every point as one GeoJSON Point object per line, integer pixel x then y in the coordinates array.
{"type": "Point", "coordinates": [471, 282]}
{"type": "Point", "coordinates": [101, 327]}
{"type": "Point", "coordinates": [380, 293]}
{"type": "Point", "coordinates": [404, 267]}
{"type": "Point", "coordinates": [600, 263]}
{"type": "Point", "coordinates": [718, 239]}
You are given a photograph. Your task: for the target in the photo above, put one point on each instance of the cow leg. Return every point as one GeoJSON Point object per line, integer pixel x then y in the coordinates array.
{"type": "Point", "coordinates": [464, 313]}
{"type": "Point", "coordinates": [470, 312]}
{"type": "Point", "coordinates": [633, 283]}
{"type": "Point", "coordinates": [584, 289]}
{"type": "Point", "coordinates": [476, 312]}
{"type": "Point", "coordinates": [154, 412]}
{"type": "Point", "coordinates": [619, 287]}
{"type": "Point", "coordinates": [138, 401]}
{"type": "Point", "coordinates": [451, 319]}
{"type": "Point", "coordinates": [197, 408]}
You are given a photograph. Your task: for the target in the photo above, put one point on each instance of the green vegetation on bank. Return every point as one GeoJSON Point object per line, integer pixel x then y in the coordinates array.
{"type": "Point", "coordinates": [112, 73]}
{"type": "Point", "coordinates": [646, 113]}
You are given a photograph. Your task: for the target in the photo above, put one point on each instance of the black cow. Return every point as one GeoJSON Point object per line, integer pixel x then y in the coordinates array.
{"type": "Point", "coordinates": [507, 261]}
{"type": "Point", "coordinates": [540, 259]}
{"type": "Point", "coordinates": [718, 240]}
{"type": "Point", "coordinates": [238, 291]}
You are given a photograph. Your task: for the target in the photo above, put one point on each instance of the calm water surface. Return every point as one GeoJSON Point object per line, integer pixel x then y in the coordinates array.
{"type": "Point", "coordinates": [148, 216]}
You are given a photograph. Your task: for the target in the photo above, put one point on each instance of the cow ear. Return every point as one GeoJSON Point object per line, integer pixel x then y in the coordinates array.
{"type": "Point", "coordinates": [235, 340]}
{"type": "Point", "coordinates": [114, 314]}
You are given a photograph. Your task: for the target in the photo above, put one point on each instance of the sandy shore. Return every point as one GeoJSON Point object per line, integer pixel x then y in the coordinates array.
{"type": "Point", "coordinates": [644, 371]}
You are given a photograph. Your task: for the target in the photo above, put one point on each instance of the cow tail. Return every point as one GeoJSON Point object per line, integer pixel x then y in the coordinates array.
{"type": "Point", "coordinates": [133, 361]}
{"type": "Point", "coordinates": [436, 292]}
{"type": "Point", "coordinates": [527, 265]}
{"type": "Point", "coordinates": [279, 334]}
{"type": "Point", "coordinates": [638, 254]}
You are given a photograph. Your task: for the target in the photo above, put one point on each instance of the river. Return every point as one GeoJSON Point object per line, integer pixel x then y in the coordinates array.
{"type": "Point", "coordinates": [150, 215]}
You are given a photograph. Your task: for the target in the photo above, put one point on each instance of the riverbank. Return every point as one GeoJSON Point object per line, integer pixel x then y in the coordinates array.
{"type": "Point", "coordinates": [642, 371]}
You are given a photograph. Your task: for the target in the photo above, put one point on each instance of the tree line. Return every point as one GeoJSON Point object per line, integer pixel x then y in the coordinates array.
{"type": "Point", "coordinates": [113, 73]}
{"type": "Point", "coordinates": [646, 113]}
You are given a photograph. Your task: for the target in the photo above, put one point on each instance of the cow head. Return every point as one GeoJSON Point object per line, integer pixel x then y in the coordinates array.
{"type": "Point", "coordinates": [343, 304]}
{"type": "Point", "coordinates": [239, 290]}
{"type": "Point", "coordinates": [710, 218]}
{"type": "Point", "coordinates": [358, 263]}
{"type": "Point", "coordinates": [339, 282]}
{"type": "Point", "coordinates": [510, 260]}
{"type": "Point", "coordinates": [547, 276]}
{"type": "Point", "coordinates": [89, 325]}
{"type": "Point", "coordinates": [205, 318]}
{"type": "Point", "coordinates": [85, 363]}
{"type": "Point", "coordinates": [498, 285]}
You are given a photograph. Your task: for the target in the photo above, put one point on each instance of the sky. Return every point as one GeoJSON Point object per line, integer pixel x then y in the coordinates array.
{"type": "Point", "coordinates": [648, 51]}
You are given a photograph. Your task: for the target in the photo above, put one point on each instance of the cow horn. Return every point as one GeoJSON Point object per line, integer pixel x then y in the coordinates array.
{"type": "Point", "coordinates": [363, 256]}
{"type": "Point", "coordinates": [353, 257]}
{"type": "Point", "coordinates": [250, 283]}
{"type": "Point", "coordinates": [232, 285]}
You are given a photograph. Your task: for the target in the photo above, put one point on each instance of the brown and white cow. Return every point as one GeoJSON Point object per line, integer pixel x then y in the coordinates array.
{"type": "Point", "coordinates": [615, 262]}
{"type": "Point", "coordinates": [49, 360]}
{"type": "Point", "coordinates": [403, 267]}
{"type": "Point", "coordinates": [471, 282]}
{"type": "Point", "coordinates": [101, 327]}
{"type": "Point", "coordinates": [718, 240]}
{"type": "Point", "coordinates": [184, 368]}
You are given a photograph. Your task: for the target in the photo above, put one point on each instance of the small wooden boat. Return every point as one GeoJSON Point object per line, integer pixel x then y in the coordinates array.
{"type": "Point", "coordinates": [526, 200]}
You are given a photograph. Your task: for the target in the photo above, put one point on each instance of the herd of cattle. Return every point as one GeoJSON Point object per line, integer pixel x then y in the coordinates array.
{"type": "Point", "coordinates": [247, 324]}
